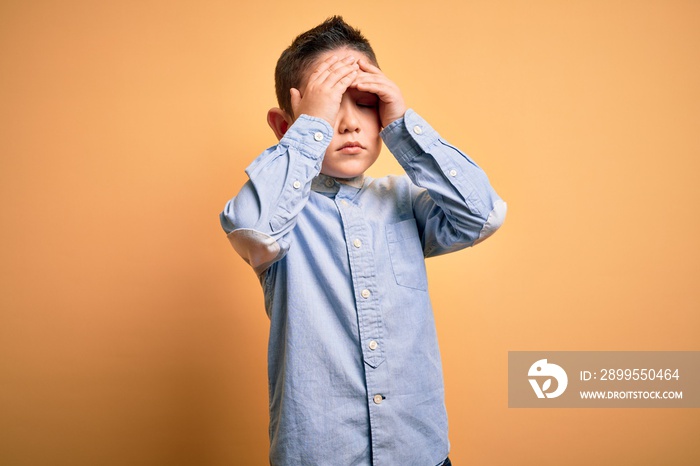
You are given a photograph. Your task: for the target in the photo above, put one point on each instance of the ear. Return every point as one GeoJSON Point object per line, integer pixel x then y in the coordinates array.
{"type": "Point", "coordinates": [279, 121]}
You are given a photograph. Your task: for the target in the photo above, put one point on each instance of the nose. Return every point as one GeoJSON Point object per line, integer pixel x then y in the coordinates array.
{"type": "Point", "coordinates": [348, 121]}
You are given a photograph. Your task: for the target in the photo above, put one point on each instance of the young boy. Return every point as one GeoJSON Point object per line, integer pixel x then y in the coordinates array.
{"type": "Point", "coordinates": [354, 368]}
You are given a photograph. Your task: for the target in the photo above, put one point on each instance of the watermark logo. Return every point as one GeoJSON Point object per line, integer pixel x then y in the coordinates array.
{"type": "Point", "coordinates": [603, 379]}
{"type": "Point", "coordinates": [546, 371]}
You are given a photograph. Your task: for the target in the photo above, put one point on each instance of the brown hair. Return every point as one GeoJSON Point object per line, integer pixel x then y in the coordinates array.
{"type": "Point", "coordinates": [332, 34]}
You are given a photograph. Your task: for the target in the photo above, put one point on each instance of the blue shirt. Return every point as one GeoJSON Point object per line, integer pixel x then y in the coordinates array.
{"type": "Point", "coordinates": [354, 367]}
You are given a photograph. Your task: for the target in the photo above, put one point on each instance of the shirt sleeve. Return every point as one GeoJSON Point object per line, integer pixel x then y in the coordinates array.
{"type": "Point", "coordinates": [258, 219]}
{"type": "Point", "coordinates": [453, 202]}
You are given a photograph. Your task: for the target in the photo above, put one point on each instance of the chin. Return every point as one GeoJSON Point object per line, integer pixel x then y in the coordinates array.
{"type": "Point", "coordinates": [345, 172]}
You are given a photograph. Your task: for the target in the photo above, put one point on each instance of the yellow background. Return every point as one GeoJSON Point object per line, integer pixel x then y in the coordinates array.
{"type": "Point", "coordinates": [131, 333]}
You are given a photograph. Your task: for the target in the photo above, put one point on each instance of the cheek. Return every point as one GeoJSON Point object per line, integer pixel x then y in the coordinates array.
{"type": "Point", "coordinates": [371, 124]}
{"type": "Point", "coordinates": [378, 145]}
{"type": "Point", "coordinates": [375, 120]}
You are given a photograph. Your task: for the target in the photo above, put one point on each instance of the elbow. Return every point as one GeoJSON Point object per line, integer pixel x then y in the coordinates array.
{"type": "Point", "coordinates": [494, 221]}
{"type": "Point", "coordinates": [226, 223]}
{"type": "Point", "coordinates": [226, 217]}
{"type": "Point", "coordinates": [237, 215]}
{"type": "Point", "coordinates": [244, 210]}
{"type": "Point", "coordinates": [257, 249]}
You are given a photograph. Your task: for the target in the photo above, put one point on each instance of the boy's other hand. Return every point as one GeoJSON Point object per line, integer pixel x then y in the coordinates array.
{"type": "Point", "coordinates": [325, 88]}
{"type": "Point", "coordinates": [391, 103]}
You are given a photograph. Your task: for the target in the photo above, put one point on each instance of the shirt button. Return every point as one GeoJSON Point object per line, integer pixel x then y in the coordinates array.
{"type": "Point", "coordinates": [329, 183]}
{"type": "Point", "coordinates": [296, 185]}
{"type": "Point", "coordinates": [318, 136]}
{"type": "Point", "coordinates": [373, 345]}
{"type": "Point", "coordinates": [453, 172]}
{"type": "Point", "coordinates": [378, 399]}
{"type": "Point", "coordinates": [344, 202]}
{"type": "Point", "coordinates": [365, 293]}
{"type": "Point", "coordinates": [357, 243]}
{"type": "Point", "coordinates": [417, 129]}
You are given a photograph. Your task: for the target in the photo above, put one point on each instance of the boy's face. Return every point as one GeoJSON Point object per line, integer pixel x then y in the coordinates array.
{"type": "Point", "coordinates": [356, 142]}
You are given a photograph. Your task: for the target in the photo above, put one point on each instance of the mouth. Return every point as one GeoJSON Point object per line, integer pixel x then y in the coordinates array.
{"type": "Point", "coordinates": [351, 148]}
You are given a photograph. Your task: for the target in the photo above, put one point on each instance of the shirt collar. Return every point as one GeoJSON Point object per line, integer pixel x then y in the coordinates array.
{"type": "Point", "coordinates": [324, 184]}
{"type": "Point", "coordinates": [327, 184]}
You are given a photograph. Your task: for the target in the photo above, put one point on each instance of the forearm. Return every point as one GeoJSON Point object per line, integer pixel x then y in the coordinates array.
{"type": "Point", "coordinates": [260, 216]}
{"type": "Point", "coordinates": [457, 204]}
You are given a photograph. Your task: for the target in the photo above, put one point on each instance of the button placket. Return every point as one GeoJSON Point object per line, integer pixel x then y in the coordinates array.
{"type": "Point", "coordinates": [367, 301]}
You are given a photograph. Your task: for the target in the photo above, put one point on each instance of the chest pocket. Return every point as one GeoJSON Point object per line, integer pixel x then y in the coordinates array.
{"type": "Point", "coordinates": [406, 254]}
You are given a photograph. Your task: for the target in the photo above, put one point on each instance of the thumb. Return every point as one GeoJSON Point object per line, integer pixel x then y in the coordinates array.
{"type": "Point", "coordinates": [296, 98]}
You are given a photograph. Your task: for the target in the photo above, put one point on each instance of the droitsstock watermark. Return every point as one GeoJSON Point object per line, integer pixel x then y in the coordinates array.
{"type": "Point", "coordinates": [604, 379]}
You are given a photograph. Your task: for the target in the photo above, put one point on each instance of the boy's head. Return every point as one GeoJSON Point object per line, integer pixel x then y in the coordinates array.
{"type": "Point", "coordinates": [295, 62]}
{"type": "Point", "coordinates": [356, 143]}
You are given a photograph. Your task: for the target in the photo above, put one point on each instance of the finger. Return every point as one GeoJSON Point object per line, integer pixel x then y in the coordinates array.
{"type": "Point", "coordinates": [348, 59]}
{"type": "Point", "coordinates": [363, 78]}
{"type": "Point", "coordinates": [346, 81]}
{"type": "Point", "coordinates": [368, 67]}
{"type": "Point", "coordinates": [373, 89]}
{"type": "Point", "coordinates": [335, 64]}
{"type": "Point", "coordinates": [323, 67]}
{"type": "Point", "coordinates": [341, 73]}
{"type": "Point", "coordinates": [372, 86]}
{"type": "Point", "coordinates": [328, 62]}
{"type": "Point", "coordinates": [333, 71]}
{"type": "Point", "coordinates": [296, 98]}
{"type": "Point", "coordinates": [344, 63]}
